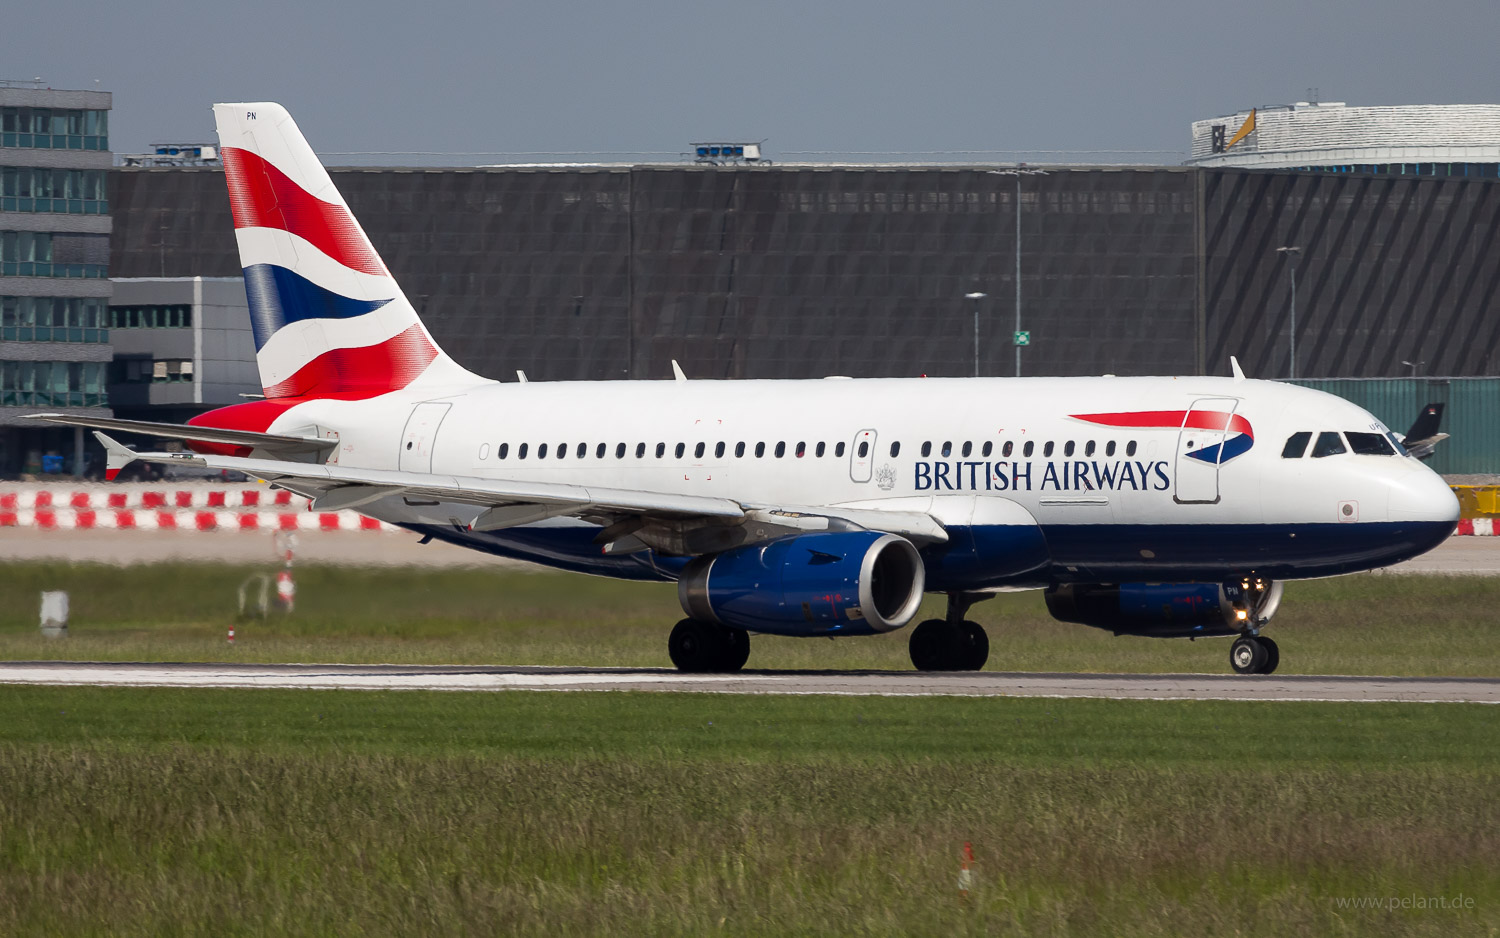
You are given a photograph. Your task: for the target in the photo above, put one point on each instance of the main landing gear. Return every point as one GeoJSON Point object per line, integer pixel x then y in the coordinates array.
{"type": "Point", "coordinates": [1254, 654]}
{"type": "Point", "coordinates": [708, 648]}
{"type": "Point", "coordinates": [954, 643]}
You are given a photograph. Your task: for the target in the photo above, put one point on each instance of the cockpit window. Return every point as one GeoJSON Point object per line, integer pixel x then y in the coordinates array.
{"type": "Point", "coordinates": [1369, 444]}
{"type": "Point", "coordinates": [1296, 445]}
{"type": "Point", "coordinates": [1329, 444]}
{"type": "Point", "coordinates": [1400, 448]}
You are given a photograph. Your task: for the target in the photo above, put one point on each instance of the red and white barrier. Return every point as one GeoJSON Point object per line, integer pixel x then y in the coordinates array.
{"type": "Point", "coordinates": [1482, 527]}
{"type": "Point", "coordinates": [145, 507]}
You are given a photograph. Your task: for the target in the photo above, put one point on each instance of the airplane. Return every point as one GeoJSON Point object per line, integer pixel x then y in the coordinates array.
{"type": "Point", "coordinates": [1166, 507]}
{"type": "Point", "coordinates": [1423, 437]}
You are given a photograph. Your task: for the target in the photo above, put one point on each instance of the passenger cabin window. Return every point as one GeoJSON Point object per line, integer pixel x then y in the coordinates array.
{"type": "Point", "coordinates": [802, 450]}
{"type": "Point", "coordinates": [619, 450]}
{"type": "Point", "coordinates": [661, 450]}
{"type": "Point", "coordinates": [1109, 448]}
{"type": "Point", "coordinates": [1329, 444]}
{"type": "Point", "coordinates": [521, 452]}
{"type": "Point", "coordinates": [818, 452]}
{"type": "Point", "coordinates": [926, 449]}
{"type": "Point", "coordinates": [1088, 448]}
{"type": "Point", "coordinates": [1369, 444]}
{"type": "Point", "coordinates": [1008, 448]}
{"type": "Point", "coordinates": [947, 448]}
{"type": "Point", "coordinates": [698, 451]}
{"type": "Point", "coordinates": [968, 449]}
{"type": "Point", "coordinates": [562, 451]}
{"type": "Point", "coordinates": [780, 449]}
{"type": "Point", "coordinates": [719, 450]}
{"type": "Point", "coordinates": [760, 450]}
{"type": "Point", "coordinates": [599, 451]}
{"type": "Point", "coordinates": [640, 451]}
{"type": "Point", "coordinates": [864, 448]}
{"type": "Point", "coordinates": [1030, 447]}
{"type": "Point", "coordinates": [839, 450]}
{"type": "Point", "coordinates": [1296, 445]}
{"type": "Point", "coordinates": [681, 448]}
{"type": "Point", "coordinates": [503, 450]}
{"type": "Point", "coordinates": [1047, 449]}
{"type": "Point", "coordinates": [989, 447]}
{"type": "Point", "coordinates": [1068, 448]}
{"type": "Point", "coordinates": [739, 450]}
{"type": "Point", "coordinates": [1130, 448]}
{"type": "Point", "coordinates": [583, 450]}
{"type": "Point", "coordinates": [541, 451]}
{"type": "Point", "coordinates": [895, 450]}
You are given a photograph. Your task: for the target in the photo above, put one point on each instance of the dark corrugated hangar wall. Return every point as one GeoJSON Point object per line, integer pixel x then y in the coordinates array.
{"type": "Point", "coordinates": [793, 272]}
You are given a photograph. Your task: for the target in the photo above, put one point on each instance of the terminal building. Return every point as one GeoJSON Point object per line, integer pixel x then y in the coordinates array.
{"type": "Point", "coordinates": [54, 254]}
{"type": "Point", "coordinates": [1448, 140]}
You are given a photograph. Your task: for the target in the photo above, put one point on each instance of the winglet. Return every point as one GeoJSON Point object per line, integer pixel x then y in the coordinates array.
{"type": "Point", "coordinates": [117, 455]}
{"type": "Point", "coordinates": [677, 371]}
{"type": "Point", "coordinates": [1234, 366]}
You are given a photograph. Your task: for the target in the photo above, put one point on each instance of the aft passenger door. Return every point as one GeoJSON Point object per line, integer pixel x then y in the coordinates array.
{"type": "Point", "coordinates": [420, 437]}
{"type": "Point", "coordinates": [862, 456]}
{"type": "Point", "coordinates": [1200, 449]}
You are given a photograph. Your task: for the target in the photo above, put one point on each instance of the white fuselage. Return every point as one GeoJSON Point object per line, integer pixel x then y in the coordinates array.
{"type": "Point", "coordinates": [971, 452]}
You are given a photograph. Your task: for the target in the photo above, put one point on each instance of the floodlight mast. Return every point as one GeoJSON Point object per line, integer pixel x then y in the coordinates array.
{"type": "Point", "coordinates": [1292, 253]}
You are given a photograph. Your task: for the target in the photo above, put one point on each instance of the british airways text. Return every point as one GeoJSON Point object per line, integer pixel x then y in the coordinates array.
{"type": "Point", "coordinates": [1063, 476]}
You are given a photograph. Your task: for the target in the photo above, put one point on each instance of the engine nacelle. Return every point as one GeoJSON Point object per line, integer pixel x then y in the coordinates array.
{"type": "Point", "coordinates": [1167, 610]}
{"type": "Point", "coordinates": [839, 583]}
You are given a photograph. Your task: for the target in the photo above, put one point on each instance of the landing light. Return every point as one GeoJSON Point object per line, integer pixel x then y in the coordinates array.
{"type": "Point", "coordinates": [1241, 615]}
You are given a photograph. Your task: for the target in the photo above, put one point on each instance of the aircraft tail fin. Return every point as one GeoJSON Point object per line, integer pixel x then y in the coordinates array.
{"type": "Point", "coordinates": [1427, 423]}
{"type": "Point", "coordinates": [329, 319]}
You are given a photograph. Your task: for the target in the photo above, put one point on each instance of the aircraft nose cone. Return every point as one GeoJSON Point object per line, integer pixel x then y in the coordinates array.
{"type": "Point", "coordinates": [1424, 497]}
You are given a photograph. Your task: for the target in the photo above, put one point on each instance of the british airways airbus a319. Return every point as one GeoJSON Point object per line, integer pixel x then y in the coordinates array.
{"type": "Point", "coordinates": [1169, 507]}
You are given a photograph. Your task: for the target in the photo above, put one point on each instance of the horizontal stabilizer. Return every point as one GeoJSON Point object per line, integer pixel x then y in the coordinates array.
{"type": "Point", "coordinates": [276, 444]}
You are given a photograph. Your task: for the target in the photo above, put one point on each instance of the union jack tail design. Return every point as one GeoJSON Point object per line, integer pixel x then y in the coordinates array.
{"type": "Point", "coordinates": [329, 319]}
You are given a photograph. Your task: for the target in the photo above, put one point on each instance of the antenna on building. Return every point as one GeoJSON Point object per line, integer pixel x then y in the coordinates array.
{"type": "Point", "coordinates": [1312, 96]}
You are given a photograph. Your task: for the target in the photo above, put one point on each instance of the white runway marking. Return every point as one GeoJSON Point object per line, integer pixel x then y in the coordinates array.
{"type": "Point", "coordinates": [888, 683]}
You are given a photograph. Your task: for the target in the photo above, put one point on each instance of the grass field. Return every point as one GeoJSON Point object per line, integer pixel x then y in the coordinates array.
{"type": "Point", "coordinates": [147, 812]}
{"type": "Point", "coordinates": [1408, 625]}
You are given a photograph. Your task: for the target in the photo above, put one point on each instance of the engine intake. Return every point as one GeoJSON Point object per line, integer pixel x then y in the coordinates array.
{"type": "Point", "coordinates": [843, 583]}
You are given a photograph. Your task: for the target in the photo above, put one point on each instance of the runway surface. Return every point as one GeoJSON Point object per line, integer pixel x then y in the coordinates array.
{"type": "Point", "coordinates": [856, 683]}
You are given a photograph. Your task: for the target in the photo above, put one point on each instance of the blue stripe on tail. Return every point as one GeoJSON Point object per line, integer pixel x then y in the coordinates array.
{"type": "Point", "coordinates": [278, 296]}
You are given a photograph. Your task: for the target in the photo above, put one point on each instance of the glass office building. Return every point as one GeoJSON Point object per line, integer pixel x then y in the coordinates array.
{"type": "Point", "coordinates": [54, 270]}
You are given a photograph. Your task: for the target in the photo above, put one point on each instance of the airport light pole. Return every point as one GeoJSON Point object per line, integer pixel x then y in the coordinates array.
{"type": "Point", "coordinates": [1292, 254]}
{"type": "Point", "coordinates": [1019, 338]}
{"type": "Point", "coordinates": [1413, 366]}
{"type": "Point", "coordinates": [976, 296]}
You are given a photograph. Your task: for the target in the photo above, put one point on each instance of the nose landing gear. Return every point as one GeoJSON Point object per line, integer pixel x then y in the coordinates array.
{"type": "Point", "coordinates": [1254, 654]}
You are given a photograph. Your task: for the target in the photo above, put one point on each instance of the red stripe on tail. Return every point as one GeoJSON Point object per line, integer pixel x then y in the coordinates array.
{"type": "Point", "coordinates": [262, 196]}
{"type": "Point", "coordinates": [357, 373]}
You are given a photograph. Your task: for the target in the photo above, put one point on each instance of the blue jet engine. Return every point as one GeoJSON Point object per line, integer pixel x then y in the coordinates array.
{"type": "Point", "coordinates": [844, 583]}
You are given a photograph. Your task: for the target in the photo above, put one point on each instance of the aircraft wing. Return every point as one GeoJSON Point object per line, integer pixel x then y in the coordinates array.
{"type": "Point", "coordinates": [280, 445]}
{"type": "Point", "coordinates": [632, 519]}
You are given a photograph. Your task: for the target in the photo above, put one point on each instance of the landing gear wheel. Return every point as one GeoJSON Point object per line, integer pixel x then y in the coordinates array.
{"type": "Point", "coordinates": [932, 645]}
{"type": "Point", "coordinates": [1248, 656]}
{"type": "Point", "coordinates": [1273, 655]}
{"type": "Point", "coordinates": [975, 645]}
{"type": "Point", "coordinates": [736, 650]}
{"type": "Point", "coordinates": [703, 647]}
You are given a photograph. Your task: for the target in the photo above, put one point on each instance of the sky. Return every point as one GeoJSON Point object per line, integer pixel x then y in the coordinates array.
{"type": "Point", "coordinates": [1074, 80]}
